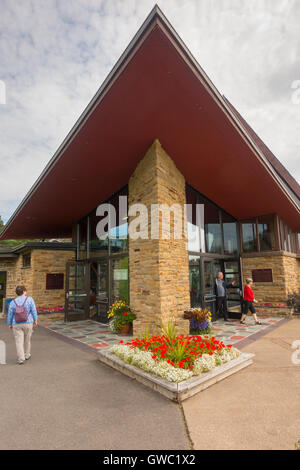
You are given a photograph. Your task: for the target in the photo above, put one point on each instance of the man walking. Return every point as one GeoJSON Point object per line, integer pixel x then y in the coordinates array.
{"type": "Point", "coordinates": [22, 316]}
{"type": "Point", "coordinates": [221, 287]}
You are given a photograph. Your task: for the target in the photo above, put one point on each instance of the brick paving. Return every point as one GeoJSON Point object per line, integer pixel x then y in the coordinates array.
{"type": "Point", "coordinates": [98, 336]}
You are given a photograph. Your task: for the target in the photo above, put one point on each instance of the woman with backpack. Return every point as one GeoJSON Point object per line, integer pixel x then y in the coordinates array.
{"type": "Point", "coordinates": [21, 318]}
{"type": "Point", "coordinates": [248, 300]}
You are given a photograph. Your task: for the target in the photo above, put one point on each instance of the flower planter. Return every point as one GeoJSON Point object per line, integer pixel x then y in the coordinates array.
{"type": "Point", "coordinates": [177, 391]}
{"type": "Point", "coordinates": [125, 330]}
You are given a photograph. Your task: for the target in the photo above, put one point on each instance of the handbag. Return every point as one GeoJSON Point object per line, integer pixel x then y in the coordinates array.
{"type": "Point", "coordinates": [21, 315]}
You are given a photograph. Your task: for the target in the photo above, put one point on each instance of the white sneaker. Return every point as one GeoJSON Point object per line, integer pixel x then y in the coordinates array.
{"type": "Point", "coordinates": [20, 362]}
{"type": "Point", "coordinates": [27, 358]}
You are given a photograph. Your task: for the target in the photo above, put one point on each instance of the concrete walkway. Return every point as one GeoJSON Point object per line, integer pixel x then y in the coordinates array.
{"type": "Point", "coordinates": [257, 408]}
{"type": "Point", "coordinates": [63, 398]}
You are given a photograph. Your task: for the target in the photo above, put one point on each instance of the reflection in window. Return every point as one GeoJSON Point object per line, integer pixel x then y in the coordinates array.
{"type": "Point", "coordinates": [249, 236]}
{"type": "Point", "coordinates": [266, 233]}
{"type": "Point", "coordinates": [193, 232]}
{"type": "Point", "coordinates": [213, 234]}
{"type": "Point", "coordinates": [97, 247]}
{"type": "Point", "coordinates": [119, 279]}
{"type": "Point", "coordinates": [230, 234]}
{"type": "Point", "coordinates": [118, 236]}
{"type": "Point", "coordinates": [195, 281]}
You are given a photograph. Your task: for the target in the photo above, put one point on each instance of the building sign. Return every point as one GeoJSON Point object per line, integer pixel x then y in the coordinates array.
{"type": "Point", "coordinates": [262, 275]}
{"type": "Point", "coordinates": [120, 274]}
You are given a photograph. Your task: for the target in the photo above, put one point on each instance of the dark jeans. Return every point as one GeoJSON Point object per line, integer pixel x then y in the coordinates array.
{"type": "Point", "coordinates": [221, 307]}
{"type": "Point", "coordinates": [247, 305]}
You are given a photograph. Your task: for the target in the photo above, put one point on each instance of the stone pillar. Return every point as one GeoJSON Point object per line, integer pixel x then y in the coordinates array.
{"type": "Point", "coordinates": [159, 273]}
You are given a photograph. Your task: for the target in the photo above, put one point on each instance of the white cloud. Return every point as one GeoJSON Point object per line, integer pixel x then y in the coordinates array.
{"type": "Point", "coordinates": [54, 55]}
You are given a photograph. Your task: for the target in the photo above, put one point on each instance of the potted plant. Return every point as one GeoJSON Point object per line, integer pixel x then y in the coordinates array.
{"type": "Point", "coordinates": [200, 320]}
{"type": "Point", "coordinates": [120, 317]}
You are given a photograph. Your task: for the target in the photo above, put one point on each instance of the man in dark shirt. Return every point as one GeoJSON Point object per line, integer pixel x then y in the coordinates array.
{"type": "Point", "coordinates": [221, 295]}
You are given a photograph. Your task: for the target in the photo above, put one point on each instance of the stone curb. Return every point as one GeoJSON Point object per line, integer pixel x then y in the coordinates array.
{"type": "Point", "coordinates": [183, 390]}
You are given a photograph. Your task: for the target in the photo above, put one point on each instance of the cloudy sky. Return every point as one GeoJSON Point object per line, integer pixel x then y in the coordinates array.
{"type": "Point", "coordinates": [54, 55]}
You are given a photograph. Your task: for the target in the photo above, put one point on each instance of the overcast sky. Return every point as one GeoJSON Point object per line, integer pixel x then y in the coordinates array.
{"type": "Point", "coordinates": [54, 55]}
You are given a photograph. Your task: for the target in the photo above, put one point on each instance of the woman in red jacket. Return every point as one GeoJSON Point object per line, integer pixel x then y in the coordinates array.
{"type": "Point", "coordinates": [248, 302]}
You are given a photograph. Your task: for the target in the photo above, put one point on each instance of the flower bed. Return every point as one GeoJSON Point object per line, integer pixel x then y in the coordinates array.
{"type": "Point", "coordinates": [59, 309]}
{"type": "Point", "coordinates": [274, 309]}
{"type": "Point", "coordinates": [175, 359]}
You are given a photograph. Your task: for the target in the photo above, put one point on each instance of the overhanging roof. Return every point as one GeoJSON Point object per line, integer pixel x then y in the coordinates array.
{"type": "Point", "coordinates": [156, 90]}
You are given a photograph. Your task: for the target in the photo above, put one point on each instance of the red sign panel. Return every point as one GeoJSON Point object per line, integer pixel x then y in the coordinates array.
{"type": "Point", "coordinates": [262, 275]}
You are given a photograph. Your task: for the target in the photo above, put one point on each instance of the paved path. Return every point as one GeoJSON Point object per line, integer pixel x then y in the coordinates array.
{"type": "Point", "coordinates": [257, 408]}
{"type": "Point", "coordinates": [95, 335]}
{"type": "Point", "coordinates": [63, 398]}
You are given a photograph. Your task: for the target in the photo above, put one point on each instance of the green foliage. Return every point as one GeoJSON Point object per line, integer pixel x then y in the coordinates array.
{"type": "Point", "coordinates": [169, 330]}
{"type": "Point", "coordinates": [177, 352]}
{"type": "Point", "coordinates": [146, 333]}
{"type": "Point", "coordinates": [121, 314]}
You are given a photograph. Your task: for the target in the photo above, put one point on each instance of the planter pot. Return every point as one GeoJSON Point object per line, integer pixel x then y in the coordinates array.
{"type": "Point", "coordinates": [125, 330]}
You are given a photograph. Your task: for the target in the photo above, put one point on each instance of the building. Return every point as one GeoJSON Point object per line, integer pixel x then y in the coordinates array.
{"type": "Point", "coordinates": [40, 266]}
{"type": "Point", "coordinates": [159, 132]}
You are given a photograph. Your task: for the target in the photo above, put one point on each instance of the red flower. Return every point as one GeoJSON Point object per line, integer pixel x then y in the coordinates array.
{"type": "Point", "coordinates": [125, 313]}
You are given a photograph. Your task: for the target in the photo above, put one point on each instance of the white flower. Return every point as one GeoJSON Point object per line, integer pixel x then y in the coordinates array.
{"type": "Point", "coordinates": [144, 360]}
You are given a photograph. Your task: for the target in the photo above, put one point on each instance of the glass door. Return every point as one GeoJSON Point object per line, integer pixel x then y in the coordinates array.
{"type": "Point", "coordinates": [77, 291]}
{"type": "Point", "coordinates": [232, 273]}
{"type": "Point", "coordinates": [211, 267]}
{"type": "Point", "coordinates": [101, 286]}
{"type": "Point", "coordinates": [2, 289]}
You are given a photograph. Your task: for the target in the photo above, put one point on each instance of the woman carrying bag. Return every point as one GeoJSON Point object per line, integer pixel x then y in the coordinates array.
{"type": "Point", "coordinates": [248, 300]}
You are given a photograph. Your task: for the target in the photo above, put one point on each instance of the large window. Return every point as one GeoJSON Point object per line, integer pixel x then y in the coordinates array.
{"type": "Point", "coordinates": [195, 281]}
{"type": "Point", "coordinates": [209, 228]}
{"type": "Point", "coordinates": [113, 226]}
{"type": "Point", "coordinates": [249, 236]}
{"type": "Point", "coordinates": [289, 240]}
{"type": "Point", "coordinates": [266, 233]}
{"type": "Point", "coordinates": [229, 234]}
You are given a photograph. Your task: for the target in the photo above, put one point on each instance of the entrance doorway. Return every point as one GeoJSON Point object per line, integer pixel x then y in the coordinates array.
{"type": "Point", "coordinates": [93, 285]}
{"type": "Point", "coordinates": [203, 273]}
{"type": "Point", "coordinates": [2, 289]}
{"type": "Point", "coordinates": [99, 290]}
{"type": "Point", "coordinates": [211, 268]}
{"type": "Point", "coordinates": [77, 291]}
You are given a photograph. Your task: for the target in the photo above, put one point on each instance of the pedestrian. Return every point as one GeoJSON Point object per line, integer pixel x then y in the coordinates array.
{"type": "Point", "coordinates": [221, 287]}
{"type": "Point", "coordinates": [248, 301]}
{"type": "Point", "coordinates": [21, 318]}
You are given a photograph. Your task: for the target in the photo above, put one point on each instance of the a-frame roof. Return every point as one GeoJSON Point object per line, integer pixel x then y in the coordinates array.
{"type": "Point", "coordinates": [156, 90]}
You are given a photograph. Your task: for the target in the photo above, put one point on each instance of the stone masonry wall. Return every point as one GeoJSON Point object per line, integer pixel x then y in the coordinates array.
{"type": "Point", "coordinates": [34, 277]}
{"type": "Point", "coordinates": [159, 275]}
{"type": "Point", "coordinates": [18, 276]}
{"type": "Point", "coordinates": [286, 276]}
{"type": "Point", "coordinates": [44, 262]}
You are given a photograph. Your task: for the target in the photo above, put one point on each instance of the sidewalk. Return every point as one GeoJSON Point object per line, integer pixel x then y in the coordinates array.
{"type": "Point", "coordinates": [89, 334]}
{"type": "Point", "coordinates": [258, 408]}
{"type": "Point", "coordinates": [63, 398]}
